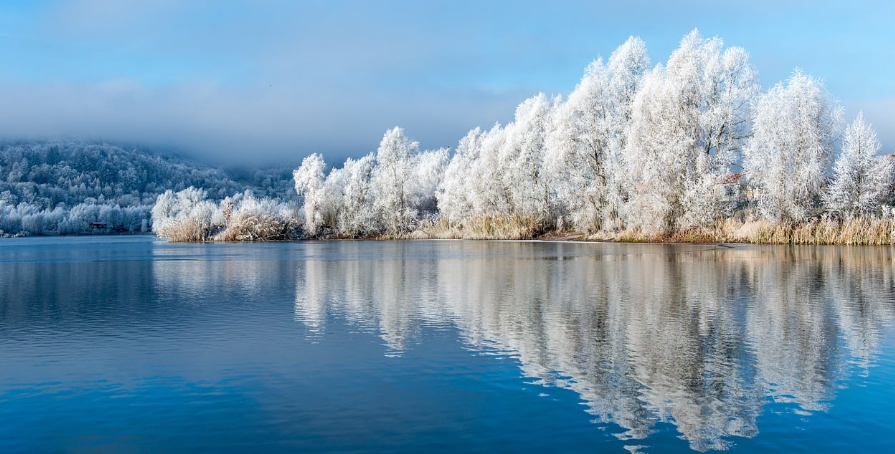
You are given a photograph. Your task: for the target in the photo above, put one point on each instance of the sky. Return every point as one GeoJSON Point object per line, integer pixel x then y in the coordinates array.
{"type": "Point", "coordinates": [269, 82]}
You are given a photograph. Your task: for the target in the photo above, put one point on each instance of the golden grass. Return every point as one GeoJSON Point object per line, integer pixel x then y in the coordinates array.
{"type": "Point", "coordinates": [859, 230]}
{"type": "Point", "coordinates": [244, 228]}
{"type": "Point", "coordinates": [185, 231]}
{"type": "Point", "coordinates": [255, 227]}
{"type": "Point", "coordinates": [856, 230]}
{"type": "Point", "coordinates": [489, 228]}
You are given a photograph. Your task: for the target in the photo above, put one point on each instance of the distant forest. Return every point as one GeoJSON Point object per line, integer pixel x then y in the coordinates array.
{"type": "Point", "coordinates": [81, 187]}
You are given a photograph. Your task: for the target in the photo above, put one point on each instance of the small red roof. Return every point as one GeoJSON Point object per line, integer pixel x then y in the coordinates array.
{"type": "Point", "coordinates": [730, 178]}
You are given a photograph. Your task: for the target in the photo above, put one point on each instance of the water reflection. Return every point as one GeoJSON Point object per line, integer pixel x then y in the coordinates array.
{"type": "Point", "coordinates": [384, 290]}
{"type": "Point", "coordinates": [702, 337]}
{"type": "Point", "coordinates": [718, 341]}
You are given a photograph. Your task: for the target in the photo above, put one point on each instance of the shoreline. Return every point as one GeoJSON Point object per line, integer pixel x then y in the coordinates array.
{"type": "Point", "coordinates": [859, 230]}
{"type": "Point", "coordinates": [548, 238]}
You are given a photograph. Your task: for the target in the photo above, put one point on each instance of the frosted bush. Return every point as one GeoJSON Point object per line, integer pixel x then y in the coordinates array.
{"type": "Point", "coordinates": [258, 220]}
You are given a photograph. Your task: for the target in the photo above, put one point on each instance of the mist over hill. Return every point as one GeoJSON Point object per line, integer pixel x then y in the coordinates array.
{"type": "Point", "coordinates": [61, 186]}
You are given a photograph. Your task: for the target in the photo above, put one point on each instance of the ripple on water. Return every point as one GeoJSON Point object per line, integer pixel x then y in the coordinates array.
{"type": "Point", "coordinates": [129, 344]}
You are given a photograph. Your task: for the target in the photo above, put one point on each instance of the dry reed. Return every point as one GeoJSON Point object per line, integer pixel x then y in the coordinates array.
{"type": "Point", "coordinates": [185, 231]}
{"type": "Point", "coordinates": [853, 230]}
{"type": "Point", "coordinates": [489, 228]}
{"type": "Point", "coordinates": [256, 227]}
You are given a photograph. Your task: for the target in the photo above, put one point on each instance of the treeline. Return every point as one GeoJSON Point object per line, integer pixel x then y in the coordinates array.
{"type": "Point", "coordinates": [689, 147]}
{"type": "Point", "coordinates": [76, 187]}
{"type": "Point", "coordinates": [392, 192]}
{"type": "Point", "coordinates": [83, 218]}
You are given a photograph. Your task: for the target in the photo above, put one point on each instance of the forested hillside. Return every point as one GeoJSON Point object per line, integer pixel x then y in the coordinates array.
{"type": "Point", "coordinates": [61, 187]}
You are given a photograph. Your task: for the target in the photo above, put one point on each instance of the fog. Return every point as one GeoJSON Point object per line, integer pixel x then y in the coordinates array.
{"type": "Point", "coordinates": [248, 126]}
{"type": "Point", "coordinates": [270, 82]}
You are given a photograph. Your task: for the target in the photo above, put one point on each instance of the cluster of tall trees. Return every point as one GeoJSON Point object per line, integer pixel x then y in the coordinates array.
{"type": "Point", "coordinates": [390, 191]}
{"type": "Point", "coordinates": [677, 146]}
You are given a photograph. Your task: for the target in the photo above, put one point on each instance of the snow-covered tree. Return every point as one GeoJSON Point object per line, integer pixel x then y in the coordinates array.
{"type": "Point", "coordinates": [340, 203]}
{"type": "Point", "coordinates": [183, 216]}
{"type": "Point", "coordinates": [588, 137]}
{"type": "Point", "coordinates": [255, 219]}
{"type": "Point", "coordinates": [787, 159]}
{"type": "Point", "coordinates": [455, 202]}
{"type": "Point", "coordinates": [860, 177]}
{"type": "Point", "coordinates": [475, 182]}
{"type": "Point", "coordinates": [488, 189]}
{"type": "Point", "coordinates": [427, 174]}
{"type": "Point", "coordinates": [395, 158]}
{"type": "Point", "coordinates": [523, 155]}
{"type": "Point", "coordinates": [358, 215]}
{"type": "Point", "coordinates": [309, 183]}
{"type": "Point", "coordinates": [186, 216]}
{"type": "Point", "coordinates": [690, 120]}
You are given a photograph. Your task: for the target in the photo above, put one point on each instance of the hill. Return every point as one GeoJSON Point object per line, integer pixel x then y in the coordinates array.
{"type": "Point", "coordinates": [61, 187]}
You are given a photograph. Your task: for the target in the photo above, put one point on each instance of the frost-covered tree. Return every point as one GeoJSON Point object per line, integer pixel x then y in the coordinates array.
{"type": "Point", "coordinates": [26, 218]}
{"type": "Point", "coordinates": [488, 189]}
{"type": "Point", "coordinates": [523, 154]}
{"type": "Point", "coordinates": [455, 201]}
{"type": "Point", "coordinates": [786, 160]}
{"type": "Point", "coordinates": [340, 203]}
{"type": "Point", "coordinates": [690, 120]}
{"type": "Point", "coordinates": [186, 216]}
{"type": "Point", "coordinates": [474, 184]}
{"type": "Point", "coordinates": [588, 137]}
{"type": "Point", "coordinates": [183, 216]}
{"type": "Point", "coordinates": [427, 174]}
{"type": "Point", "coordinates": [860, 177]}
{"type": "Point", "coordinates": [371, 195]}
{"type": "Point", "coordinates": [729, 85]}
{"type": "Point", "coordinates": [631, 147]}
{"type": "Point", "coordinates": [255, 219]}
{"type": "Point", "coordinates": [357, 215]}
{"type": "Point", "coordinates": [395, 158]}
{"type": "Point", "coordinates": [309, 183]}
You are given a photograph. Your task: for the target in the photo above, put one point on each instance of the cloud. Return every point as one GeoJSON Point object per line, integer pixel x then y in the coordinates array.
{"type": "Point", "coordinates": [269, 125]}
{"type": "Point", "coordinates": [273, 81]}
{"type": "Point", "coordinates": [276, 80]}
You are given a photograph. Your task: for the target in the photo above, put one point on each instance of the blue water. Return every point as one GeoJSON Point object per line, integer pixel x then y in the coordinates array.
{"type": "Point", "coordinates": [129, 344]}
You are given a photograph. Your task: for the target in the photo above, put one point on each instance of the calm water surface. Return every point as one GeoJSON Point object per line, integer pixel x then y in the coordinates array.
{"type": "Point", "coordinates": [135, 345]}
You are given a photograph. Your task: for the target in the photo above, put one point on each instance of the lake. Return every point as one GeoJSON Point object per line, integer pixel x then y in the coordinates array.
{"type": "Point", "coordinates": [130, 344]}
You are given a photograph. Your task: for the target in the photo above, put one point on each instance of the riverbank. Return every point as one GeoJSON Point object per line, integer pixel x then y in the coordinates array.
{"type": "Point", "coordinates": [854, 231]}
{"type": "Point", "coordinates": [859, 230]}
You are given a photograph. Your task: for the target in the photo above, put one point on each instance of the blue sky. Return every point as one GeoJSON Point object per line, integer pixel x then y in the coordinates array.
{"type": "Point", "coordinates": [273, 81]}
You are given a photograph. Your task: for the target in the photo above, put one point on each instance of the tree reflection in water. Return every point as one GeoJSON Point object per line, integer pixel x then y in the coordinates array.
{"type": "Point", "coordinates": [699, 336]}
